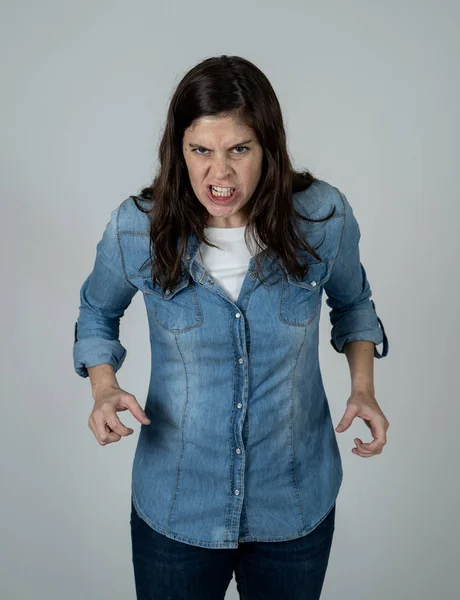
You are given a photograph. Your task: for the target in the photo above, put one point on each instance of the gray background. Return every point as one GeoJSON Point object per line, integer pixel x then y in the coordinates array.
{"type": "Point", "coordinates": [370, 92]}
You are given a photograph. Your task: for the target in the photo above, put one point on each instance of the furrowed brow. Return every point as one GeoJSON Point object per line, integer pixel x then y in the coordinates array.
{"type": "Point", "coordinates": [231, 147]}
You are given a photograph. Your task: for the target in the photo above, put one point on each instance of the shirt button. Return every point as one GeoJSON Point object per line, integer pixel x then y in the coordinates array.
{"type": "Point", "coordinates": [211, 281]}
{"type": "Point", "coordinates": [239, 405]}
{"type": "Point", "coordinates": [187, 256]}
{"type": "Point", "coordinates": [238, 451]}
{"type": "Point", "coordinates": [238, 315]}
{"type": "Point", "coordinates": [241, 361]}
{"type": "Point", "coordinates": [251, 274]}
{"type": "Point", "coordinates": [236, 492]}
{"type": "Point", "coordinates": [313, 283]}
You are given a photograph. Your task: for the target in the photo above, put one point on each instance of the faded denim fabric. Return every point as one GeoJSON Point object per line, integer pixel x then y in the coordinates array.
{"type": "Point", "coordinates": [241, 446]}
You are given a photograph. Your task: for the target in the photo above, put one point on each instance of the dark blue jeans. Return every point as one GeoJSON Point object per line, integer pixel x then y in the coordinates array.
{"type": "Point", "coordinates": [167, 569]}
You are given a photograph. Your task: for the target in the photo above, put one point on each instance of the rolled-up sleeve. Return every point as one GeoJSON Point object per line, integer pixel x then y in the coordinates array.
{"type": "Point", "coordinates": [104, 296]}
{"type": "Point", "coordinates": [353, 314]}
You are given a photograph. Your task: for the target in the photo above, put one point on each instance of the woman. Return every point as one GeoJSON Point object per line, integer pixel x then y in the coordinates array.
{"type": "Point", "coordinates": [237, 467]}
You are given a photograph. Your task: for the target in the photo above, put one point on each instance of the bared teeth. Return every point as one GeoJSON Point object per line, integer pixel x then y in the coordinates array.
{"type": "Point", "coordinates": [223, 194]}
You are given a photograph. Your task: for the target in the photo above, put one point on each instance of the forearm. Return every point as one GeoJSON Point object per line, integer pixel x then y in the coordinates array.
{"type": "Point", "coordinates": [102, 375]}
{"type": "Point", "coordinates": [360, 356]}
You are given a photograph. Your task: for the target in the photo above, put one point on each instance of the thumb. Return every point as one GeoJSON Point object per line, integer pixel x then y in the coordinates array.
{"type": "Point", "coordinates": [346, 421]}
{"type": "Point", "coordinates": [137, 411]}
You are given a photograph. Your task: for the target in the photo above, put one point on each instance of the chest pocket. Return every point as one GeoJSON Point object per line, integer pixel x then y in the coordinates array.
{"type": "Point", "coordinates": [176, 310]}
{"type": "Point", "coordinates": [300, 300]}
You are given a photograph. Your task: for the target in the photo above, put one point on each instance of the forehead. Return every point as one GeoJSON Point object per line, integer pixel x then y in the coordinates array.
{"type": "Point", "coordinates": [217, 129]}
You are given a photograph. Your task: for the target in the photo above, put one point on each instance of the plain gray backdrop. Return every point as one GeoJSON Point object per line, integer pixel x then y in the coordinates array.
{"type": "Point", "coordinates": [370, 93]}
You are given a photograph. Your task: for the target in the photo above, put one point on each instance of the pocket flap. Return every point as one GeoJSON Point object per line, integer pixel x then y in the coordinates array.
{"type": "Point", "coordinates": [149, 288]}
{"type": "Point", "coordinates": [318, 273]}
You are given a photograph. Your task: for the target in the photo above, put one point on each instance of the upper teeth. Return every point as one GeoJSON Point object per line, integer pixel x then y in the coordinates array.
{"type": "Point", "coordinates": [219, 189]}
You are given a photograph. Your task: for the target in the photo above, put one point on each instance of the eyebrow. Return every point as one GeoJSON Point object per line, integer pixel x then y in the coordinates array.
{"type": "Point", "coordinates": [235, 146]}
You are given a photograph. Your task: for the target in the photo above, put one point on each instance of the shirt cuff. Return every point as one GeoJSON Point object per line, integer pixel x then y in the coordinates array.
{"type": "Point", "coordinates": [351, 330]}
{"type": "Point", "coordinates": [90, 352]}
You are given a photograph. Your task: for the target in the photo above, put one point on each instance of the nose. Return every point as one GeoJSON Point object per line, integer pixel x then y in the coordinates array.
{"type": "Point", "coordinates": [221, 167]}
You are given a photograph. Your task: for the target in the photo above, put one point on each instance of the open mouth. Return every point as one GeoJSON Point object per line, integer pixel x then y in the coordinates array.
{"type": "Point", "coordinates": [221, 192]}
{"type": "Point", "coordinates": [224, 197]}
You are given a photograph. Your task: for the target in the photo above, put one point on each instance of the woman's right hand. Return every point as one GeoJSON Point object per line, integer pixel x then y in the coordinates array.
{"type": "Point", "coordinates": [103, 420]}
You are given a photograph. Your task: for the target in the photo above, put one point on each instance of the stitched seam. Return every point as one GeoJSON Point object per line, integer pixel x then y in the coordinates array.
{"type": "Point", "coordinates": [344, 224]}
{"type": "Point", "coordinates": [293, 461]}
{"type": "Point", "coordinates": [122, 258]}
{"type": "Point", "coordinates": [184, 420]}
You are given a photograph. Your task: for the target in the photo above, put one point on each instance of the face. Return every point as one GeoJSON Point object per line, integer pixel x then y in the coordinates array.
{"type": "Point", "coordinates": [221, 152]}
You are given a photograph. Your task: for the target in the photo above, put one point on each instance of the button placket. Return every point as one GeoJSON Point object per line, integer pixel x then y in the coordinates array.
{"type": "Point", "coordinates": [239, 405]}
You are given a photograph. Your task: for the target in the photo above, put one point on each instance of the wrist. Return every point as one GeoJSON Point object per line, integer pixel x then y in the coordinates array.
{"type": "Point", "coordinates": [363, 385]}
{"type": "Point", "coordinates": [102, 377]}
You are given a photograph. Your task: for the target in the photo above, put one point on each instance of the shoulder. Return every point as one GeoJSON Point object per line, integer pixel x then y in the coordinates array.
{"type": "Point", "coordinates": [132, 227]}
{"type": "Point", "coordinates": [130, 219]}
{"type": "Point", "coordinates": [318, 200]}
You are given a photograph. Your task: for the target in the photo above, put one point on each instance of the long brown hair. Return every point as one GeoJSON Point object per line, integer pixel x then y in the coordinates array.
{"type": "Point", "coordinates": [225, 86]}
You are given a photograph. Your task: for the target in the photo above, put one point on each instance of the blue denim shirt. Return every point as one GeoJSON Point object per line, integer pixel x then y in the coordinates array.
{"type": "Point", "coordinates": [241, 446]}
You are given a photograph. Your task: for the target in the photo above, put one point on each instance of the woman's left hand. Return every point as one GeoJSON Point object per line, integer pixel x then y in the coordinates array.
{"type": "Point", "coordinates": [365, 406]}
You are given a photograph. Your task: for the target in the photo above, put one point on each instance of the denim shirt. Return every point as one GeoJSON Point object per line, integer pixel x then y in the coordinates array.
{"type": "Point", "coordinates": [241, 446]}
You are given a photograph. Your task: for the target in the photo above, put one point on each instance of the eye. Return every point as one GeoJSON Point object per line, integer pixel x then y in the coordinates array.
{"type": "Point", "coordinates": [199, 148]}
{"type": "Point", "coordinates": [245, 147]}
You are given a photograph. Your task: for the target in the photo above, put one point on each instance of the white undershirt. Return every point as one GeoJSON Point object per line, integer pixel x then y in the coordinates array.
{"type": "Point", "coordinates": [227, 264]}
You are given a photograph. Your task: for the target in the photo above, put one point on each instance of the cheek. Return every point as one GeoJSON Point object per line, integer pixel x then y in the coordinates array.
{"type": "Point", "coordinates": [252, 173]}
{"type": "Point", "coordinates": [193, 170]}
